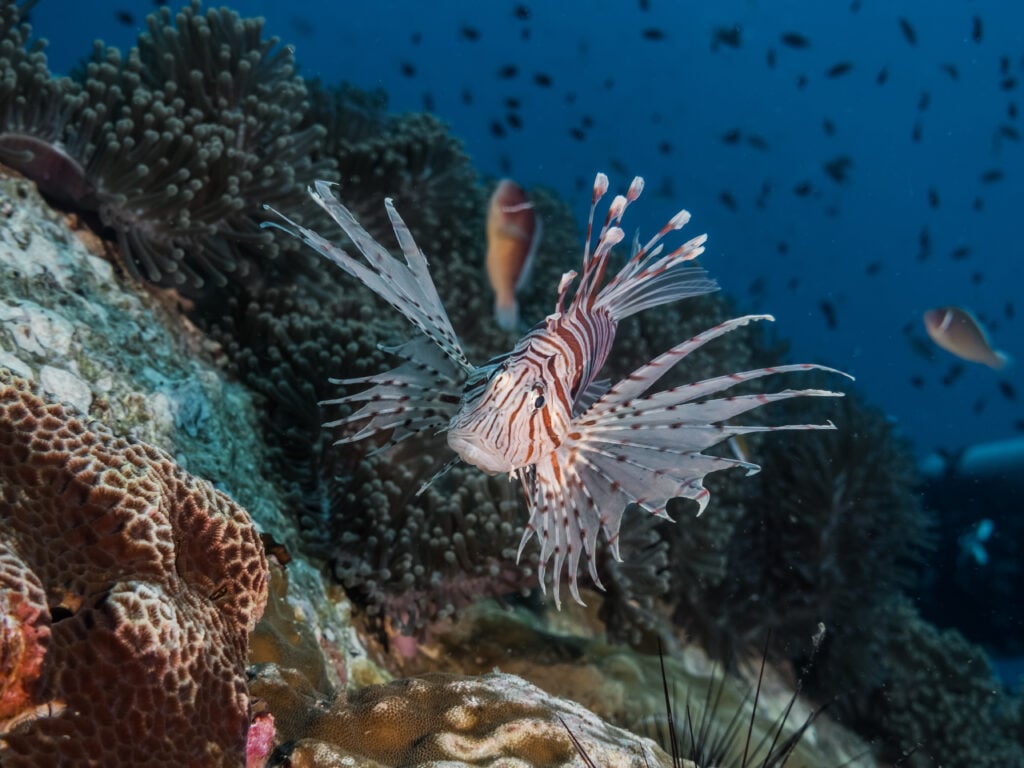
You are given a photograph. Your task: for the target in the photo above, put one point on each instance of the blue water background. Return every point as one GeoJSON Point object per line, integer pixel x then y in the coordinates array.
{"type": "Point", "coordinates": [641, 93]}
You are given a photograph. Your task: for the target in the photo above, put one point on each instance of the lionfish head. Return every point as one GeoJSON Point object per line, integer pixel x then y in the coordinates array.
{"type": "Point", "coordinates": [513, 413]}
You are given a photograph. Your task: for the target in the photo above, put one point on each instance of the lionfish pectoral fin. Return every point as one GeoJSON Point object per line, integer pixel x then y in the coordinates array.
{"type": "Point", "coordinates": [439, 474]}
{"type": "Point", "coordinates": [417, 398]}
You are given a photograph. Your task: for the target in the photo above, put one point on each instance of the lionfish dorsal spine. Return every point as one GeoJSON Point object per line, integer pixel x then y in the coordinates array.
{"type": "Point", "coordinates": [406, 286]}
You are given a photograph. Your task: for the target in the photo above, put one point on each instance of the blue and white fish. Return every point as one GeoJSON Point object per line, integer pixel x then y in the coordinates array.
{"type": "Point", "coordinates": [582, 450]}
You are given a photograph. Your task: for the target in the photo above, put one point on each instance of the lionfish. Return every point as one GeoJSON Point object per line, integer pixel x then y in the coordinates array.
{"type": "Point", "coordinates": [583, 450]}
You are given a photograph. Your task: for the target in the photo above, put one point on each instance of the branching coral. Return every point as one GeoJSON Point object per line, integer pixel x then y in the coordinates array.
{"type": "Point", "coordinates": [146, 581]}
{"type": "Point", "coordinates": [174, 147]}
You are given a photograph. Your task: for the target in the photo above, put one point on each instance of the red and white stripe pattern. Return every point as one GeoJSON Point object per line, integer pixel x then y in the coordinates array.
{"type": "Point", "coordinates": [583, 452]}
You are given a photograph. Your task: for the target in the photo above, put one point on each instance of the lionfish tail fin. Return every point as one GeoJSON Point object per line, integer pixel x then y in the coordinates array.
{"type": "Point", "coordinates": [406, 286]}
{"type": "Point", "coordinates": [650, 277]}
{"type": "Point", "coordinates": [419, 397]}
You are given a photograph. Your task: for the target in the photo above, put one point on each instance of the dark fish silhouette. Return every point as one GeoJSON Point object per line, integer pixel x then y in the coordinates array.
{"type": "Point", "coordinates": [302, 26]}
{"type": "Point", "coordinates": [977, 32]}
{"type": "Point", "coordinates": [924, 244]}
{"type": "Point", "coordinates": [933, 197]}
{"type": "Point", "coordinates": [125, 17]}
{"type": "Point", "coordinates": [829, 127]}
{"type": "Point", "coordinates": [924, 101]}
{"type": "Point", "coordinates": [908, 31]}
{"type": "Point", "coordinates": [1008, 310]}
{"type": "Point", "coordinates": [917, 382]}
{"type": "Point", "coordinates": [587, 121]}
{"type": "Point", "coordinates": [514, 121]}
{"type": "Point", "coordinates": [873, 268]}
{"type": "Point", "coordinates": [728, 200]}
{"type": "Point", "coordinates": [653, 33]}
{"type": "Point", "coordinates": [794, 40]}
{"type": "Point", "coordinates": [508, 71]}
{"type": "Point", "coordinates": [1007, 131]}
{"type": "Point", "coordinates": [960, 253]}
{"type": "Point", "coordinates": [728, 36]}
{"type": "Point", "coordinates": [577, 134]}
{"type": "Point", "coordinates": [757, 142]}
{"type": "Point", "coordinates": [469, 33]}
{"type": "Point", "coordinates": [838, 168]}
{"type": "Point", "coordinates": [522, 12]}
{"type": "Point", "coordinates": [645, 5]}
{"type": "Point", "coordinates": [512, 102]}
{"type": "Point", "coordinates": [828, 309]}
{"type": "Point", "coordinates": [917, 132]}
{"type": "Point", "coordinates": [665, 148]}
{"type": "Point", "coordinates": [1007, 390]}
{"type": "Point", "coordinates": [408, 69]}
{"type": "Point", "coordinates": [991, 176]}
{"type": "Point", "coordinates": [415, 38]}
{"type": "Point", "coordinates": [977, 278]}
{"type": "Point", "coordinates": [803, 189]}
{"type": "Point", "coordinates": [782, 247]}
{"type": "Point", "coordinates": [769, 58]}
{"type": "Point", "coordinates": [731, 136]}
{"type": "Point", "coordinates": [956, 370]}
{"type": "Point", "coordinates": [882, 76]}
{"type": "Point", "coordinates": [840, 69]}
{"type": "Point", "coordinates": [497, 129]}
{"type": "Point", "coordinates": [543, 79]}
{"type": "Point", "coordinates": [951, 70]}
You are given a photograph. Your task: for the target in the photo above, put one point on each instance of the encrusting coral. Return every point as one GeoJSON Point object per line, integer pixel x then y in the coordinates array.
{"type": "Point", "coordinates": [135, 582]}
{"type": "Point", "coordinates": [441, 719]}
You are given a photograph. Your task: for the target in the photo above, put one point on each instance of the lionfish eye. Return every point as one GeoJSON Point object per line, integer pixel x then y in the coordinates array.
{"type": "Point", "coordinates": [539, 402]}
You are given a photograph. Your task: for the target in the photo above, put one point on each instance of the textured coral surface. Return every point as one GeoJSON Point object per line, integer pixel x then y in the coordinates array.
{"type": "Point", "coordinates": [150, 581]}
{"type": "Point", "coordinates": [448, 720]}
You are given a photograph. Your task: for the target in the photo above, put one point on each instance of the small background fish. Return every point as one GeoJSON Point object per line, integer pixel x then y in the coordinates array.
{"type": "Point", "coordinates": [958, 331]}
{"type": "Point", "coordinates": [513, 234]}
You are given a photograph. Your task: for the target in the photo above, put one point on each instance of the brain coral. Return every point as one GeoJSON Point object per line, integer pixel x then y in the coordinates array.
{"type": "Point", "coordinates": [443, 720]}
{"type": "Point", "coordinates": [133, 583]}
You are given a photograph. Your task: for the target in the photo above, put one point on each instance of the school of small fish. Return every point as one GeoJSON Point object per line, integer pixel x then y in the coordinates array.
{"type": "Point", "coordinates": [583, 450]}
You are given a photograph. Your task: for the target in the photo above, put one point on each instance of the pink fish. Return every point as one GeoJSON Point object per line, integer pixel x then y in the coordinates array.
{"type": "Point", "coordinates": [583, 451]}
{"type": "Point", "coordinates": [957, 331]}
{"type": "Point", "coordinates": [513, 232]}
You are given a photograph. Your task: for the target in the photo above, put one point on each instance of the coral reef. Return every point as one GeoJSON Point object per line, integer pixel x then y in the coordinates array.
{"type": "Point", "coordinates": [836, 530]}
{"type": "Point", "coordinates": [173, 147]}
{"type": "Point", "coordinates": [69, 321]}
{"type": "Point", "coordinates": [443, 719]}
{"type": "Point", "coordinates": [149, 581]}
{"type": "Point", "coordinates": [936, 702]}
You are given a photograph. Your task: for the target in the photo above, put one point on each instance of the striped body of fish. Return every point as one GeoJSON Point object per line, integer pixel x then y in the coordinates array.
{"type": "Point", "coordinates": [583, 450]}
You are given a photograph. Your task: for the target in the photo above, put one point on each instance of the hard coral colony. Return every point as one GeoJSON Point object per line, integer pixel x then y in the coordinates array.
{"type": "Point", "coordinates": [582, 450]}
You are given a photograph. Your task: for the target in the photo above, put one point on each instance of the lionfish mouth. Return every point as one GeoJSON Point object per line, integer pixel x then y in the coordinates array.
{"type": "Point", "coordinates": [464, 443]}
